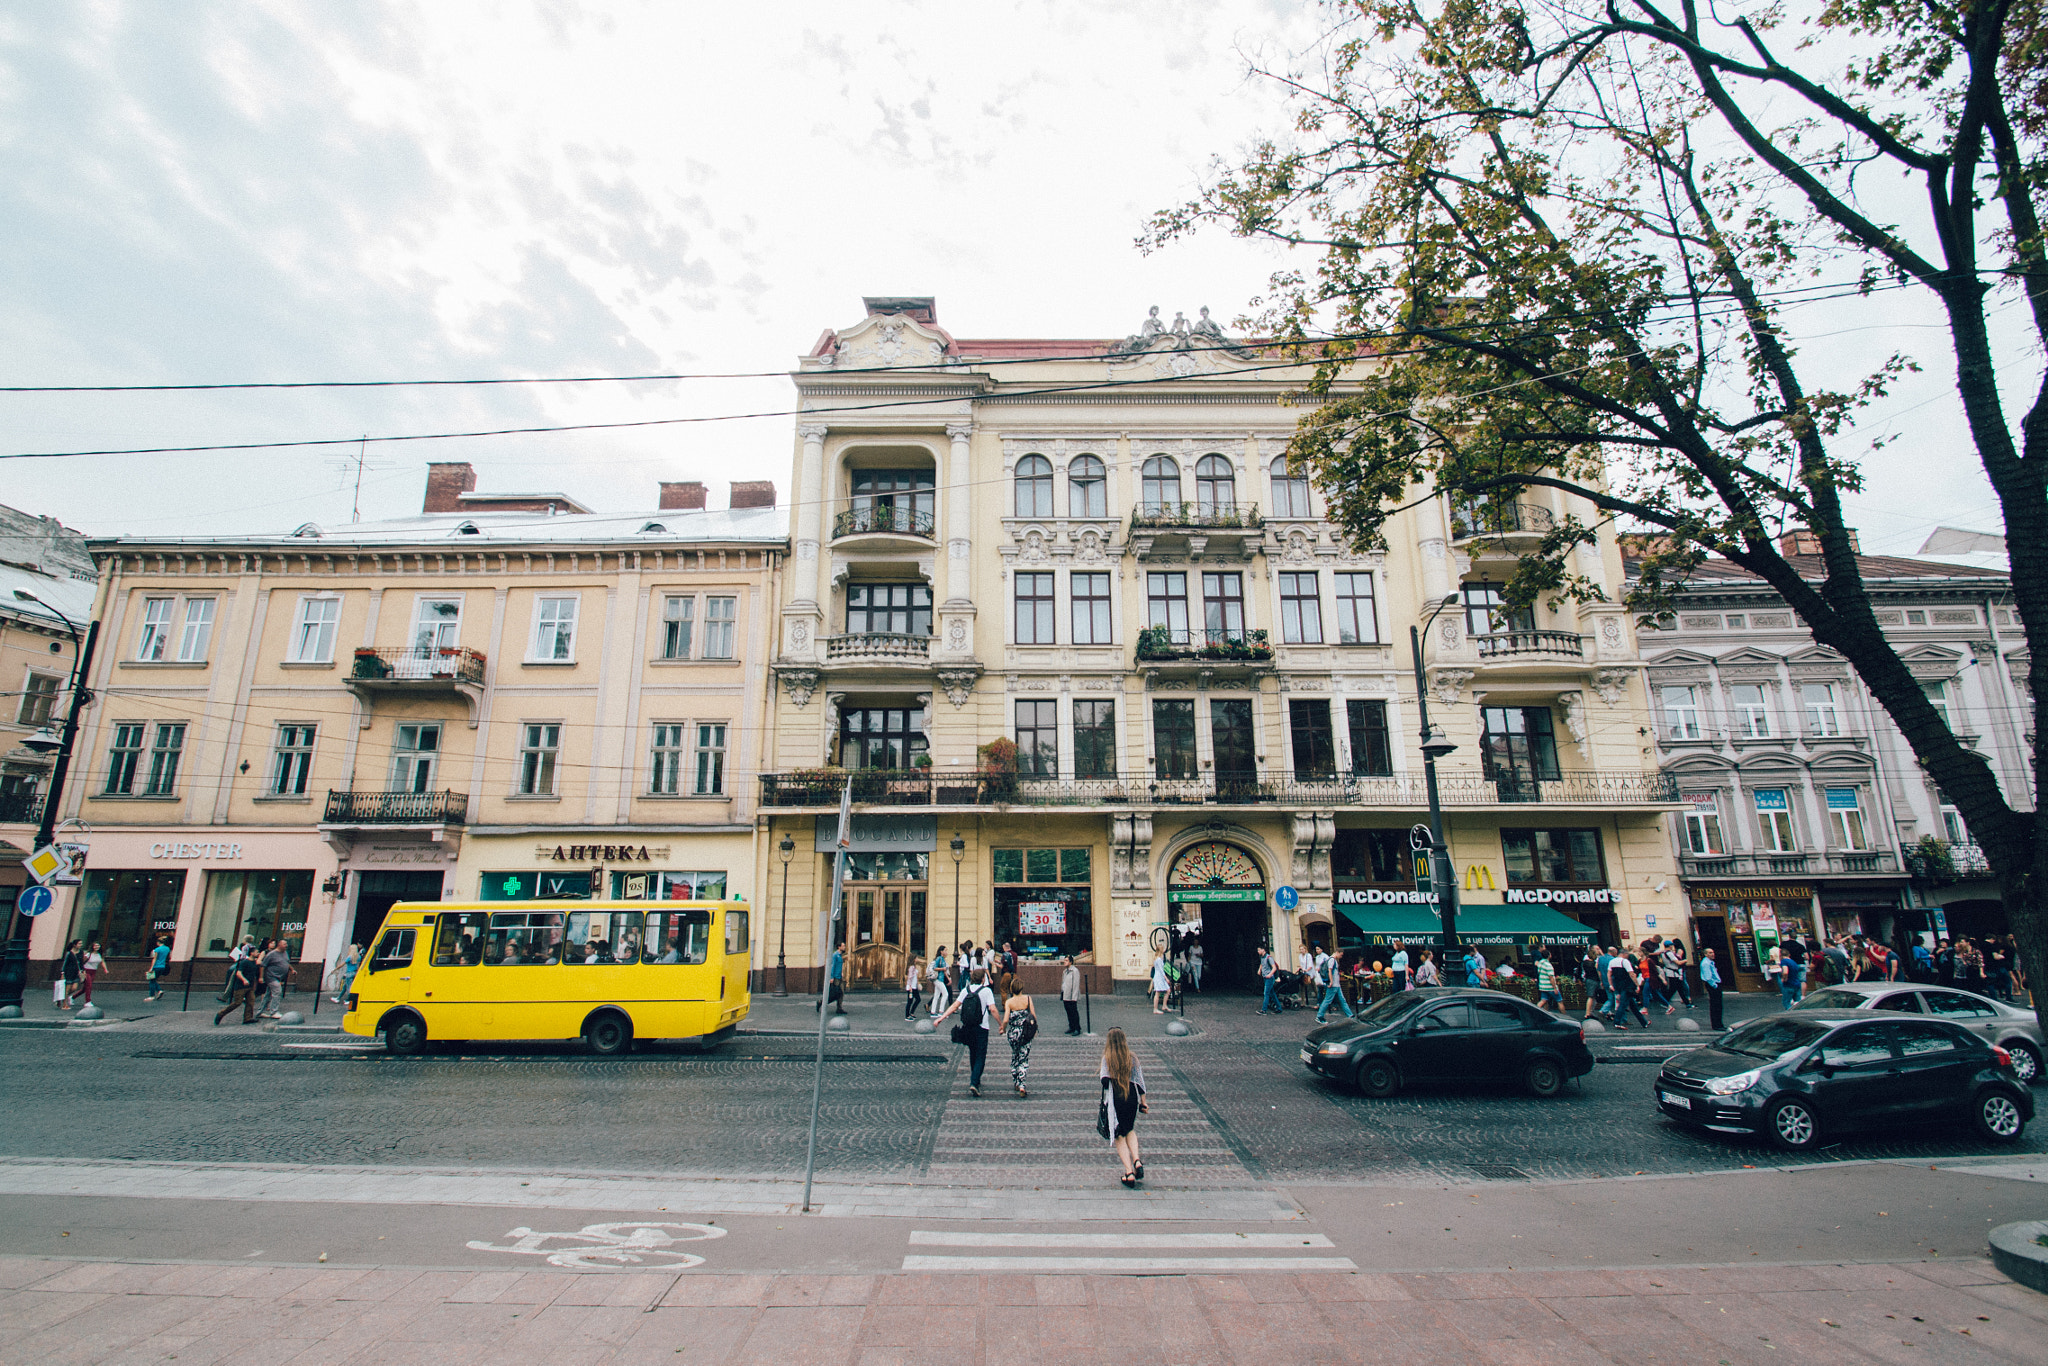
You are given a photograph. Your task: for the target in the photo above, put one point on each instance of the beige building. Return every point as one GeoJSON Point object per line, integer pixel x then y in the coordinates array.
{"type": "Point", "coordinates": [1093, 551]}
{"type": "Point", "coordinates": [506, 696]}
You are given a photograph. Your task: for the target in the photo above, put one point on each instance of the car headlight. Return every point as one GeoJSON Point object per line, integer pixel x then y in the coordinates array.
{"type": "Point", "coordinates": [1334, 1050]}
{"type": "Point", "coordinates": [1728, 1086]}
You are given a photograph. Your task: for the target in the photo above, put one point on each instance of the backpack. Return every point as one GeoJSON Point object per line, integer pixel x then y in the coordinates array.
{"type": "Point", "coordinates": [1024, 1028]}
{"type": "Point", "coordinates": [970, 1014]}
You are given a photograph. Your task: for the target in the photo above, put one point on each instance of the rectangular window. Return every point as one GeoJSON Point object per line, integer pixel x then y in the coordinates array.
{"type": "Point", "coordinates": [122, 758]}
{"type": "Point", "coordinates": [665, 772]}
{"type": "Point", "coordinates": [164, 753]}
{"type": "Point", "coordinates": [1301, 610]}
{"type": "Point", "coordinates": [156, 628]}
{"type": "Point", "coordinates": [1821, 715]}
{"type": "Point", "coordinates": [1038, 739]}
{"type": "Point", "coordinates": [126, 911]}
{"type": "Point", "coordinates": [1487, 612]}
{"type": "Point", "coordinates": [881, 737]}
{"type": "Point", "coordinates": [38, 699]}
{"type": "Point", "coordinates": [1223, 607]}
{"type": "Point", "coordinates": [1315, 743]}
{"type": "Point", "coordinates": [1952, 827]}
{"type": "Point", "coordinates": [1752, 713]}
{"type": "Point", "coordinates": [313, 636]}
{"type": "Point", "coordinates": [1774, 820]}
{"type": "Point", "coordinates": [1703, 825]}
{"type": "Point", "coordinates": [1845, 813]}
{"type": "Point", "coordinates": [1034, 609]}
{"type": "Point", "coordinates": [537, 754]}
{"type": "Point", "coordinates": [292, 763]}
{"type": "Point", "coordinates": [1230, 736]}
{"type": "Point", "coordinates": [721, 627]}
{"type": "Point", "coordinates": [1166, 605]}
{"type": "Point", "coordinates": [901, 609]}
{"type": "Point", "coordinates": [677, 619]}
{"type": "Point", "coordinates": [554, 629]}
{"type": "Point", "coordinates": [1373, 856]}
{"type": "Point", "coordinates": [1544, 856]}
{"type": "Point", "coordinates": [1091, 608]}
{"type": "Point", "coordinates": [1173, 739]}
{"type": "Point", "coordinates": [1519, 750]}
{"type": "Point", "coordinates": [1094, 739]}
{"type": "Point", "coordinates": [413, 752]}
{"type": "Point", "coordinates": [678, 937]}
{"type": "Point", "coordinates": [1372, 750]}
{"type": "Point", "coordinates": [1041, 901]}
{"type": "Point", "coordinates": [1681, 713]}
{"type": "Point", "coordinates": [250, 907]}
{"type": "Point", "coordinates": [1358, 621]}
{"type": "Point", "coordinates": [711, 761]}
{"type": "Point", "coordinates": [1937, 698]}
{"type": "Point", "coordinates": [198, 632]}
{"type": "Point", "coordinates": [436, 626]}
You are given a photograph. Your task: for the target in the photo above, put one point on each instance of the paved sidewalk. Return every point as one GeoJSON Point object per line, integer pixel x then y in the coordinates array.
{"type": "Point", "coordinates": [1963, 1311]}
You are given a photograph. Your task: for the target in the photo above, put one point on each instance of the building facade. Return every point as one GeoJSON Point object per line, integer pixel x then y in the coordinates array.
{"type": "Point", "coordinates": [504, 697]}
{"type": "Point", "coordinates": [1105, 679]}
{"type": "Point", "coordinates": [1804, 806]}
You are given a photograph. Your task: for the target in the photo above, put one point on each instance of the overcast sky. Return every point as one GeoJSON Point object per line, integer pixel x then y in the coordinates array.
{"type": "Point", "coordinates": [205, 193]}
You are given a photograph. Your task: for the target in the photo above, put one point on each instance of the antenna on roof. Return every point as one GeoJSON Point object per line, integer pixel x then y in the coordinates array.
{"type": "Point", "coordinates": [356, 464]}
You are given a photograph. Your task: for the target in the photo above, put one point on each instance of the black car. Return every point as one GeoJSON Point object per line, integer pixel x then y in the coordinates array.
{"type": "Point", "coordinates": [1449, 1034]}
{"type": "Point", "coordinates": [1806, 1075]}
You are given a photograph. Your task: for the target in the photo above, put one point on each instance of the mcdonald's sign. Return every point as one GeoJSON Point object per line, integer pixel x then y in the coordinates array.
{"type": "Point", "coordinates": [1478, 878]}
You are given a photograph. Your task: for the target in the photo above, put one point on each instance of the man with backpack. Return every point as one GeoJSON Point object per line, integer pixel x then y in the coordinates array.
{"type": "Point", "coordinates": [1269, 982]}
{"type": "Point", "coordinates": [975, 1007]}
{"type": "Point", "coordinates": [1333, 988]}
{"type": "Point", "coordinates": [243, 980]}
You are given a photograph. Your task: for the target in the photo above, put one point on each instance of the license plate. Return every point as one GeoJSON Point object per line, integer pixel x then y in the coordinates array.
{"type": "Point", "coordinates": [1308, 1056]}
{"type": "Point", "coordinates": [1682, 1102]}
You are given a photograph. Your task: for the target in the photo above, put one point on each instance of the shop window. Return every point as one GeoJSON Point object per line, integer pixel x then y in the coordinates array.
{"type": "Point", "coordinates": [126, 911]}
{"type": "Point", "coordinates": [1553, 856]}
{"type": "Point", "coordinates": [1094, 739]}
{"type": "Point", "coordinates": [1173, 738]}
{"type": "Point", "coordinates": [538, 752]}
{"type": "Point", "coordinates": [1290, 489]}
{"type": "Point", "coordinates": [1703, 825]}
{"type": "Point", "coordinates": [38, 699]}
{"type": "Point", "coordinates": [1358, 621]}
{"type": "Point", "coordinates": [1845, 814]}
{"type": "Point", "coordinates": [1301, 610]}
{"type": "Point", "coordinates": [1372, 856]}
{"type": "Point", "coordinates": [1091, 608]}
{"type": "Point", "coordinates": [313, 635]}
{"type": "Point", "coordinates": [1034, 487]}
{"type": "Point", "coordinates": [889, 865]}
{"type": "Point", "coordinates": [1087, 488]}
{"type": "Point", "coordinates": [678, 620]}
{"type": "Point", "coordinates": [721, 627]}
{"type": "Point", "coordinates": [1372, 750]}
{"type": "Point", "coordinates": [1040, 865]}
{"type": "Point", "coordinates": [670, 886]}
{"type": "Point", "coordinates": [540, 886]}
{"type": "Point", "coordinates": [1042, 902]}
{"type": "Point", "coordinates": [292, 762]}
{"type": "Point", "coordinates": [1034, 593]}
{"type": "Point", "coordinates": [1315, 744]}
{"type": "Point", "coordinates": [253, 907]}
{"type": "Point", "coordinates": [1774, 821]}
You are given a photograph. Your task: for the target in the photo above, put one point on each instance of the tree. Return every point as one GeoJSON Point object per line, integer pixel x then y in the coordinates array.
{"type": "Point", "coordinates": [1569, 238]}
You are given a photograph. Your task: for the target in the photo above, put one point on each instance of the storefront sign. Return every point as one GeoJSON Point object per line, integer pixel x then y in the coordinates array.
{"type": "Point", "coordinates": [177, 850]}
{"type": "Point", "coordinates": [879, 834]}
{"type": "Point", "coordinates": [1042, 917]}
{"type": "Point", "coordinates": [597, 853]}
{"type": "Point", "coordinates": [1384, 896]}
{"type": "Point", "coordinates": [1183, 894]}
{"type": "Point", "coordinates": [1562, 896]}
{"type": "Point", "coordinates": [1699, 801]}
{"type": "Point", "coordinates": [1750, 893]}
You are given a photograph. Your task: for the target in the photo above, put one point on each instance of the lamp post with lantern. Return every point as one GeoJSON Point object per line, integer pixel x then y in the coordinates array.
{"type": "Point", "coordinates": [958, 848]}
{"type": "Point", "coordinates": [787, 851]}
{"type": "Point", "coordinates": [1435, 744]}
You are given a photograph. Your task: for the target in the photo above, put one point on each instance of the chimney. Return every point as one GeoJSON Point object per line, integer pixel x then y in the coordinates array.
{"type": "Point", "coordinates": [447, 481]}
{"type": "Point", "coordinates": [753, 493]}
{"type": "Point", "coordinates": [1805, 542]}
{"type": "Point", "coordinates": [684, 495]}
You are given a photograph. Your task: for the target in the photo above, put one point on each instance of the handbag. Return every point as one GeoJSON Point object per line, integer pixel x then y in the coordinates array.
{"type": "Point", "coordinates": [57, 992]}
{"type": "Point", "coordinates": [1102, 1116]}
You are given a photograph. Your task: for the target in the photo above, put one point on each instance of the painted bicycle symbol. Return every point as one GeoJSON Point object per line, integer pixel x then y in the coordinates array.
{"type": "Point", "coordinates": [610, 1247]}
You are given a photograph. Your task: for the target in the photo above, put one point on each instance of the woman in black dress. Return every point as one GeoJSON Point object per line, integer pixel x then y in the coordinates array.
{"type": "Point", "coordinates": [1123, 1097]}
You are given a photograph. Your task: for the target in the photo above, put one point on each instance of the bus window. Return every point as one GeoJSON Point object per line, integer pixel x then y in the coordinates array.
{"type": "Point", "coordinates": [735, 931]}
{"type": "Point", "coordinates": [524, 938]}
{"type": "Point", "coordinates": [394, 950]}
{"type": "Point", "coordinates": [678, 936]}
{"type": "Point", "coordinates": [603, 937]}
{"type": "Point", "coordinates": [459, 939]}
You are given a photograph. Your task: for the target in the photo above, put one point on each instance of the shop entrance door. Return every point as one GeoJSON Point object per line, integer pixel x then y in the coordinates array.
{"type": "Point", "coordinates": [377, 893]}
{"type": "Point", "coordinates": [884, 923]}
{"type": "Point", "coordinates": [1232, 934]}
{"type": "Point", "coordinates": [1711, 932]}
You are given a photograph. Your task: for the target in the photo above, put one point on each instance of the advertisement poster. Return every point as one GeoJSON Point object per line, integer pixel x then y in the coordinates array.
{"type": "Point", "coordinates": [1763, 922]}
{"type": "Point", "coordinates": [1042, 917]}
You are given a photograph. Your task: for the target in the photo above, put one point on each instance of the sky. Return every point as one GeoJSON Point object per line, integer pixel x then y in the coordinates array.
{"type": "Point", "coordinates": [363, 190]}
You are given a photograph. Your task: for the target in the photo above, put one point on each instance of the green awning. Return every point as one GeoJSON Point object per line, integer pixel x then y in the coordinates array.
{"type": "Point", "coordinates": [1526, 927]}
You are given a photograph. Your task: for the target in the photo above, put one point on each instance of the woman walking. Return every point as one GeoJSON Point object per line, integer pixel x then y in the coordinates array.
{"type": "Point", "coordinates": [345, 976]}
{"type": "Point", "coordinates": [1123, 1100]}
{"type": "Point", "coordinates": [913, 986]}
{"type": "Point", "coordinates": [1161, 987]}
{"type": "Point", "coordinates": [1425, 971]}
{"type": "Point", "coordinates": [1020, 1027]}
{"type": "Point", "coordinates": [69, 975]}
{"type": "Point", "coordinates": [89, 970]}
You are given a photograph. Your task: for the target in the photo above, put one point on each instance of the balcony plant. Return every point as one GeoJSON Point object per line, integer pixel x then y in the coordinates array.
{"type": "Point", "coordinates": [922, 762]}
{"type": "Point", "coordinates": [998, 769]}
{"type": "Point", "coordinates": [1155, 642]}
{"type": "Point", "coordinates": [1932, 861]}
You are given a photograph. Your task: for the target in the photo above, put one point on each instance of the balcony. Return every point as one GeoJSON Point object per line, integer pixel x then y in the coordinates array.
{"type": "Point", "coordinates": [884, 520]}
{"type": "Point", "coordinates": [1940, 862]}
{"type": "Point", "coordinates": [396, 808]}
{"type": "Point", "coordinates": [1516, 645]}
{"type": "Point", "coordinates": [415, 667]}
{"type": "Point", "coordinates": [20, 808]}
{"type": "Point", "coordinates": [819, 789]}
{"type": "Point", "coordinates": [1846, 862]}
{"type": "Point", "coordinates": [1194, 528]}
{"type": "Point", "coordinates": [878, 649]}
{"type": "Point", "coordinates": [1499, 521]}
{"type": "Point", "coordinates": [1224, 653]}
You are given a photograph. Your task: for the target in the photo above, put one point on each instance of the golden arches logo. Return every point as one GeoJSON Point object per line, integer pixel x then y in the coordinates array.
{"type": "Point", "coordinates": [1478, 877]}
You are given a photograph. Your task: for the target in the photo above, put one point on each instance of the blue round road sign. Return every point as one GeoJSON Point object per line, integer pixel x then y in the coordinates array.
{"type": "Point", "coordinates": [1286, 898]}
{"type": "Point", "coordinates": [34, 901]}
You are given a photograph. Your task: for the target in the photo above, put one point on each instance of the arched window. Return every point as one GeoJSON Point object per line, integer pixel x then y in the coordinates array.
{"type": "Point", "coordinates": [1034, 486]}
{"type": "Point", "coordinates": [1087, 488]}
{"type": "Point", "coordinates": [1215, 486]}
{"type": "Point", "coordinates": [1161, 485]}
{"type": "Point", "coordinates": [1290, 490]}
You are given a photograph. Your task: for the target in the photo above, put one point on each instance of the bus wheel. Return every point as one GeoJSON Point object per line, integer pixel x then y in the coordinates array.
{"type": "Point", "coordinates": [607, 1034]}
{"type": "Point", "coordinates": [405, 1035]}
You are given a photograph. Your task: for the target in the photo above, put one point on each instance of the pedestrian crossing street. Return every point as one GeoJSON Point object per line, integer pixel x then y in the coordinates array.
{"type": "Point", "coordinates": [1134, 1252]}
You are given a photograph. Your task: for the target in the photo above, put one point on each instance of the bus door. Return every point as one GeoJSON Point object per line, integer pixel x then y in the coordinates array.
{"type": "Point", "coordinates": [391, 966]}
{"type": "Point", "coordinates": [738, 957]}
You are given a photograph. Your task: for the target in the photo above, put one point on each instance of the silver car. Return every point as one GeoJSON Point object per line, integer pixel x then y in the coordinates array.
{"type": "Point", "coordinates": [2013, 1029]}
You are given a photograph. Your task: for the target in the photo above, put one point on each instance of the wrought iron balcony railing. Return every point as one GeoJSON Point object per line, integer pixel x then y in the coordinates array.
{"type": "Point", "coordinates": [1196, 516]}
{"type": "Point", "coordinates": [1531, 644]}
{"type": "Point", "coordinates": [883, 519]}
{"type": "Point", "coordinates": [937, 787]}
{"type": "Point", "coordinates": [20, 808]}
{"type": "Point", "coordinates": [1163, 643]}
{"type": "Point", "coordinates": [396, 808]}
{"type": "Point", "coordinates": [419, 664]}
{"type": "Point", "coordinates": [1493, 519]}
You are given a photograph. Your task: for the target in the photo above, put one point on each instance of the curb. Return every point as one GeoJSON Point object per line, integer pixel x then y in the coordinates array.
{"type": "Point", "coordinates": [2015, 1252]}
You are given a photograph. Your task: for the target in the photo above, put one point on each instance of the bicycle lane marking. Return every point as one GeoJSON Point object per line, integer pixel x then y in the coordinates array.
{"type": "Point", "coordinates": [623, 1246]}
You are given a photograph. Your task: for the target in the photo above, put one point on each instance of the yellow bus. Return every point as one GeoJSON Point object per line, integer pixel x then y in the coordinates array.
{"type": "Point", "coordinates": [608, 972]}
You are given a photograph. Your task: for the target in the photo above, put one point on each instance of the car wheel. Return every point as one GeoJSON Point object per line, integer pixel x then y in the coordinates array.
{"type": "Point", "coordinates": [1377, 1078]}
{"type": "Point", "coordinates": [1997, 1117]}
{"type": "Point", "coordinates": [2026, 1062]}
{"type": "Point", "coordinates": [607, 1035]}
{"type": "Point", "coordinates": [406, 1036]}
{"type": "Point", "coordinates": [1793, 1125]}
{"type": "Point", "coordinates": [1544, 1078]}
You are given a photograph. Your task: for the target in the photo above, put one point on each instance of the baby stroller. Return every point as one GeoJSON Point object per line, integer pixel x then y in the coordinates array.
{"type": "Point", "coordinates": [1290, 990]}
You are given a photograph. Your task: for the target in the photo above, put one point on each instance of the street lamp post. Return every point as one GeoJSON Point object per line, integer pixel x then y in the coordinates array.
{"type": "Point", "coordinates": [958, 848]}
{"type": "Point", "coordinates": [14, 956]}
{"type": "Point", "coordinates": [1435, 744]}
{"type": "Point", "coordinates": [787, 849]}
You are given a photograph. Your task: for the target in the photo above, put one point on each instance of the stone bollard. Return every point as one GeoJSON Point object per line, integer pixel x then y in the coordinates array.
{"type": "Point", "coordinates": [291, 1017]}
{"type": "Point", "coordinates": [10, 1012]}
{"type": "Point", "coordinates": [89, 1011]}
{"type": "Point", "coordinates": [1592, 1026]}
{"type": "Point", "coordinates": [840, 1023]}
{"type": "Point", "coordinates": [924, 1026]}
{"type": "Point", "coordinates": [1178, 1028]}
{"type": "Point", "coordinates": [1688, 1025]}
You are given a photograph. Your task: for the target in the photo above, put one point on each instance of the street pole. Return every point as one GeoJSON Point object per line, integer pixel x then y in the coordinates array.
{"type": "Point", "coordinates": [825, 921]}
{"type": "Point", "coordinates": [14, 957]}
{"type": "Point", "coordinates": [958, 849]}
{"type": "Point", "coordinates": [1452, 969]}
{"type": "Point", "coordinates": [788, 851]}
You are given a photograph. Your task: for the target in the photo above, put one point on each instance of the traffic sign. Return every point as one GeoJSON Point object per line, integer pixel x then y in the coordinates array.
{"type": "Point", "coordinates": [1286, 898]}
{"type": "Point", "coordinates": [35, 900]}
{"type": "Point", "coordinates": [46, 863]}
{"type": "Point", "coordinates": [1421, 837]}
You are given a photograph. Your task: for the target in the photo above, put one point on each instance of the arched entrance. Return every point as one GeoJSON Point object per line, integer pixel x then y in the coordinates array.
{"type": "Point", "coordinates": [1216, 896]}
